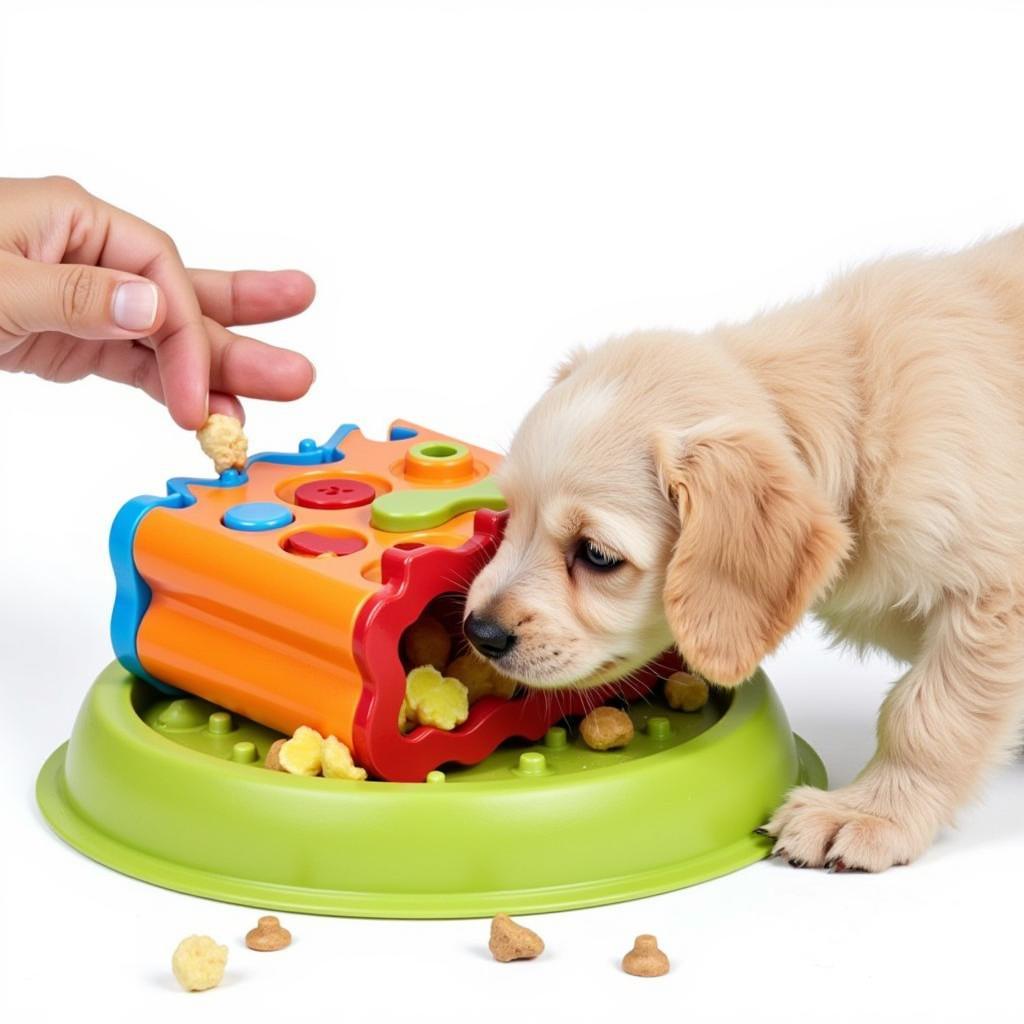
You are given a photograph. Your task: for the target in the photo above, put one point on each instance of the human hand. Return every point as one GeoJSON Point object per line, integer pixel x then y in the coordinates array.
{"type": "Point", "coordinates": [86, 288]}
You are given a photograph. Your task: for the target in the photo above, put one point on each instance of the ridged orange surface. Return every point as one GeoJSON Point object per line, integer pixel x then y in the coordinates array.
{"type": "Point", "coordinates": [239, 620]}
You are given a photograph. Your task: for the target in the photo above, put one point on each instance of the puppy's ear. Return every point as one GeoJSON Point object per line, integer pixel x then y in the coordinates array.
{"type": "Point", "coordinates": [757, 545]}
{"type": "Point", "coordinates": [571, 362]}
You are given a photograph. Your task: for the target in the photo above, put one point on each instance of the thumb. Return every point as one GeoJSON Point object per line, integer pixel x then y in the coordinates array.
{"type": "Point", "coordinates": [94, 303]}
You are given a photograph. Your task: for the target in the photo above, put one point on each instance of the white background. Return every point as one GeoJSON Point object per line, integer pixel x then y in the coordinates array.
{"type": "Point", "coordinates": [475, 188]}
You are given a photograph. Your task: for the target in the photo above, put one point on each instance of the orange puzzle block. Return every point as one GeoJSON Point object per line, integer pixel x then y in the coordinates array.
{"type": "Point", "coordinates": [282, 592]}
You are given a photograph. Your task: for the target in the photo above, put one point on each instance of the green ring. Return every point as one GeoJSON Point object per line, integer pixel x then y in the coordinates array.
{"type": "Point", "coordinates": [452, 450]}
{"type": "Point", "coordinates": [149, 806]}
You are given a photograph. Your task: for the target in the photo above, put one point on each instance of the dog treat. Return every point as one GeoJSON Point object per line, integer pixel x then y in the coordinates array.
{"type": "Point", "coordinates": [435, 700]}
{"type": "Point", "coordinates": [337, 761]}
{"type": "Point", "coordinates": [426, 642]}
{"type": "Point", "coordinates": [308, 753]}
{"type": "Point", "coordinates": [684, 692]}
{"type": "Point", "coordinates": [223, 440]}
{"type": "Point", "coordinates": [645, 960]}
{"type": "Point", "coordinates": [198, 963]}
{"type": "Point", "coordinates": [511, 941]}
{"type": "Point", "coordinates": [480, 677]}
{"type": "Point", "coordinates": [268, 936]}
{"type": "Point", "coordinates": [273, 758]}
{"type": "Point", "coordinates": [302, 754]}
{"type": "Point", "coordinates": [606, 728]}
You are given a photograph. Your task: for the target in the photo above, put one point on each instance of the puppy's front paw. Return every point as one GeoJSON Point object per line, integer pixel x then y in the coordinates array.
{"type": "Point", "coordinates": [841, 830]}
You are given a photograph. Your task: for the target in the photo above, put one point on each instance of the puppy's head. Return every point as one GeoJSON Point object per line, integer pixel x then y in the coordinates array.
{"type": "Point", "coordinates": [641, 515]}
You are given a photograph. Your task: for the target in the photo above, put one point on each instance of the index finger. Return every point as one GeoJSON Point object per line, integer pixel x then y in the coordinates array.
{"type": "Point", "coordinates": [181, 345]}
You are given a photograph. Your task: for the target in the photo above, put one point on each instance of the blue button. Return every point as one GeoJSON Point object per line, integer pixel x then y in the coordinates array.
{"type": "Point", "coordinates": [257, 515]}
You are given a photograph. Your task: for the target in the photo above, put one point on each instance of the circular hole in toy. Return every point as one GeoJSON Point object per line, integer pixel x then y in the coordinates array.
{"type": "Point", "coordinates": [440, 472]}
{"type": "Point", "coordinates": [410, 545]}
{"type": "Point", "coordinates": [439, 451]}
{"type": "Point", "coordinates": [439, 462]}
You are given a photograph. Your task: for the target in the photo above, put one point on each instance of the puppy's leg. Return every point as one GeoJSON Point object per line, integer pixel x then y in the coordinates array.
{"type": "Point", "coordinates": [953, 715]}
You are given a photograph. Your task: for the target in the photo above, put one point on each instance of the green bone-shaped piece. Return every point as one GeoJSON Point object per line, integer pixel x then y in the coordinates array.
{"type": "Point", "coordinates": [416, 509]}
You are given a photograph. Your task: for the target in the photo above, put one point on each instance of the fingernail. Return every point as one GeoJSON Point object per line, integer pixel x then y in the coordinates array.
{"type": "Point", "coordinates": [135, 305]}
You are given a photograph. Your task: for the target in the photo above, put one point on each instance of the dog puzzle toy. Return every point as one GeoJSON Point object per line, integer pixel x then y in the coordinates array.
{"type": "Point", "coordinates": [221, 594]}
{"type": "Point", "coordinates": [269, 618]}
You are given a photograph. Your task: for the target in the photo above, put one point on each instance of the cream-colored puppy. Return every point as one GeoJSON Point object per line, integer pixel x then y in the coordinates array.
{"type": "Point", "coordinates": [859, 453]}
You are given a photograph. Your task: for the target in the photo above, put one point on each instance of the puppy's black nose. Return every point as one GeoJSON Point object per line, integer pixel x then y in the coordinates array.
{"type": "Point", "coordinates": [490, 639]}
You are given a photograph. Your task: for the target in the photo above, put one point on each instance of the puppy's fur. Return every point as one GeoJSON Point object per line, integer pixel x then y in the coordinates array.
{"type": "Point", "coordinates": [860, 453]}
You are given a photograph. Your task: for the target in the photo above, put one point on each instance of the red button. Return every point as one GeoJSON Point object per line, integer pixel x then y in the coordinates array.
{"type": "Point", "coordinates": [334, 492]}
{"type": "Point", "coordinates": [307, 542]}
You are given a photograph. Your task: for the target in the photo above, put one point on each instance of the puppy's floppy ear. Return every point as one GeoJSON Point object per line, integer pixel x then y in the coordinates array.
{"type": "Point", "coordinates": [757, 544]}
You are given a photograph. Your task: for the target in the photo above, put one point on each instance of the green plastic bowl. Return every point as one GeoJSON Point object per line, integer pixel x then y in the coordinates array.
{"type": "Point", "coordinates": [173, 792]}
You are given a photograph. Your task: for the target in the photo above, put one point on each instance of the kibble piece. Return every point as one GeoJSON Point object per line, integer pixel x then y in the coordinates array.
{"type": "Point", "coordinates": [223, 440]}
{"type": "Point", "coordinates": [198, 963]}
{"type": "Point", "coordinates": [268, 935]}
{"type": "Point", "coordinates": [645, 960]}
{"type": "Point", "coordinates": [435, 700]}
{"type": "Point", "coordinates": [480, 678]}
{"type": "Point", "coordinates": [273, 758]}
{"type": "Point", "coordinates": [606, 728]}
{"type": "Point", "coordinates": [338, 763]}
{"type": "Point", "coordinates": [503, 686]}
{"type": "Point", "coordinates": [684, 692]}
{"type": "Point", "coordinates": [512, 941]}
{"type": "Point", "coordinates": [302, 754]}
{"type": "Point", "coordinates": [426, 642]}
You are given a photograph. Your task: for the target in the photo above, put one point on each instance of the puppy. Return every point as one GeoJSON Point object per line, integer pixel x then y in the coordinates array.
{"type": "Point", "coordinates": [859, 453]}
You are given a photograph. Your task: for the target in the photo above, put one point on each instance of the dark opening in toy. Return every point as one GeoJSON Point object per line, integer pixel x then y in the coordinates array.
{"type": "Point", "coordinates": [436, 639]}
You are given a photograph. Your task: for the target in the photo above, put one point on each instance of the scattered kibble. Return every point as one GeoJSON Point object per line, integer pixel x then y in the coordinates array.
{"type": "Point", "coordinates": [426, 642]}
{"type": "Point", "coordinates": [302, 754]}
{"type": "Point", "coordinates": [268, 936]}
{"type": "Point", "coordinates": [223, 440]}
{"type": "Point", "coordinates": [434, 700]}
{"type": "Point", "coordinates": [198, 963]}
{"type": "Point", "coordinates": [480, 677]}
{"type": "Point", "coordinates": [684, 692]}
{"type": "Point", "coordinates": [645, 960]}
{"type": "Point", "coordinates": [606, 728]}
{"type": "Point", "coordinates": [273, 758]}
{"type": "Point", "coordinates": [308, 753]}
{"type": "Point", "coordinates": [336, 760]}
{"type": "Point", "coordinates": [513, 941]}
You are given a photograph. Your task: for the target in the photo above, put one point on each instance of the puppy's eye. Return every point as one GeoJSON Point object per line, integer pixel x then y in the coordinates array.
{"type": "Point", "coordinates": [595, 558]}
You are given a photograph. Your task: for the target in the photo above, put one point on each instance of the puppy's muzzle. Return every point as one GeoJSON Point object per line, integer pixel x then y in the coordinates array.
{"type": "Point", "coordinates": [490, 638]}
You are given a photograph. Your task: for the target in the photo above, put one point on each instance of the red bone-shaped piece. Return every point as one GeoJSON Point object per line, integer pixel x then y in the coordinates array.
{"type": "Point", "coordinates": [411, 579]}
